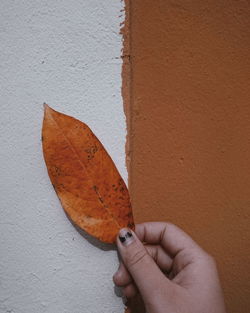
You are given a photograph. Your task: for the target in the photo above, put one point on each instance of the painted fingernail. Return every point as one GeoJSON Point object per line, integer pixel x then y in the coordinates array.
{"type": "Point", "coordinates": [126, 236]}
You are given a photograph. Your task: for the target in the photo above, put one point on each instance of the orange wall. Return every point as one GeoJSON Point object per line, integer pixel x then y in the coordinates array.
{"type": "Point", "coordinates": [189, 130]}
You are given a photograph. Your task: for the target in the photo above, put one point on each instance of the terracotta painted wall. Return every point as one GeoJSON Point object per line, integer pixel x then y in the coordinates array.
{"type": "Point", "coordinates": [189, 148]}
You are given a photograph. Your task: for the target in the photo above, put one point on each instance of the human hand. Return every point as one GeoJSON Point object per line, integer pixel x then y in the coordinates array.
{"type": "Point", "coordinates": [170, 271]}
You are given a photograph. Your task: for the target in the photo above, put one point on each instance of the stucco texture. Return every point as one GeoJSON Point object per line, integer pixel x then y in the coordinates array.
{"type": "Point", "coordinates": [189, 127]}
{"type": "Point", "coordinates": [67, 54]}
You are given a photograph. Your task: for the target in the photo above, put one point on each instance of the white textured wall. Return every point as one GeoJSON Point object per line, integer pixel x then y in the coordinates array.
{"type": "Point", "coordinates": [65, 53]}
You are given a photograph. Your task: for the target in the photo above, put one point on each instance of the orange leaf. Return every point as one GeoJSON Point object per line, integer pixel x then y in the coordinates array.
{"type": "Point", "coordinates": [85, 178]}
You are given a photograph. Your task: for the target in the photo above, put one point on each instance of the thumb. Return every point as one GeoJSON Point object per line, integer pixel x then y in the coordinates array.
{"type": "Point", "coordinates": [146, 274]}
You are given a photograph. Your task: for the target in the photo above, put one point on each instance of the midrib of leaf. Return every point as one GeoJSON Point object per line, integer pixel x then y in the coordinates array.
{"type": "Point", "coordinates": [84, 167]}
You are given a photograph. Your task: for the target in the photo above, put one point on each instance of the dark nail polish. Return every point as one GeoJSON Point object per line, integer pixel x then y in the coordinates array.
{"type": "Point", "coordinates": [126, 236]}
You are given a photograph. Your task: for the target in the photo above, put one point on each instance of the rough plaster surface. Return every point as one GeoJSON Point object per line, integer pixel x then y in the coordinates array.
{"type": "Point", "coordinates": [65, 53]}
{"type": "Point", "coordinates": [190, 127]}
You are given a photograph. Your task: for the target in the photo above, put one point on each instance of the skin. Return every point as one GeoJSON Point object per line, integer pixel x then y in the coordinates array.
{"type": "Point", "coordinates": [172, 273]}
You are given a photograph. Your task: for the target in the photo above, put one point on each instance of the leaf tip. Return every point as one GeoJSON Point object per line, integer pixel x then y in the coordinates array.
{"type": "Point", "coordinates": [45, 105]}
{"type": "Point", "coordinates": [47, 109]}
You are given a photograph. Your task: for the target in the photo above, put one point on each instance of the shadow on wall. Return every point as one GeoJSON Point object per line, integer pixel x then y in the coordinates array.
{"type": "Point", "coordinates": [103, 246]}
{"type": "Point", "coordinates": [95, 242]}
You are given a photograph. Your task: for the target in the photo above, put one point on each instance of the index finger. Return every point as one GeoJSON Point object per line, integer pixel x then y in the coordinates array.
{"type": "Point", "coordinates": [169, 236]}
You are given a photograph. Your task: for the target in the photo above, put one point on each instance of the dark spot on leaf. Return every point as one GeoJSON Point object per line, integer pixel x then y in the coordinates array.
{"type": "Point", "coordinates": [91, 151]}
{"type": "Point", "coordinates": [96, 190]}
{"type": "Point", "coordinates": [55, 171]}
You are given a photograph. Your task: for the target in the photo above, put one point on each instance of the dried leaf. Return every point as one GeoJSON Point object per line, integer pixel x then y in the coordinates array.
{"type": "Point", "coordinates": [85, 178]}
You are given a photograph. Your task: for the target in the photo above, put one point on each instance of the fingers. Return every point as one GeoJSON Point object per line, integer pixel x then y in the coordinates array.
{"type": "Point", "coordinates": [145, 273]}
{"type": "Point", "coordinates": [164, 242]}
{"type": "Point", "coordinates": [122, 277]}
{"type": "Point", "coordinates": [169, 236]}
{"type": "Point", "coordinates": [129, 291]}
{"type": "Point", "coordinates": [162, 259]}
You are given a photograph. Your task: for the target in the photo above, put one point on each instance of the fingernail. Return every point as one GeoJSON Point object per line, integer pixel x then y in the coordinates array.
{"type": "Point", "coordinates": [126, 237]}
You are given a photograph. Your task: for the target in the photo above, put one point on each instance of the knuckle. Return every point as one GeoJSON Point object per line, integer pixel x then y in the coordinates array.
{"type": "Point", "coordinates": [136, 258]}
{"type": "Point", "coordinates": [170, 225]}
{"type": "Point", "coordinates": [210, 259]}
